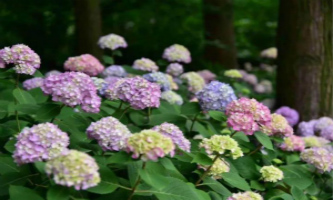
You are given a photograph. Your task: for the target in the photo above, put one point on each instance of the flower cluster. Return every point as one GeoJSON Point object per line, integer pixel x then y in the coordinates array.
{"type": "Point", "coordinates": [40, 142]}
{"type": "Point", "coordinates": [173, 84]}
{"type": "Point", "coordinates": [112, 41]}
{"type": "Point", "coordinates": [175, 69]}
{"type": "Point", "coordinates": [242, 122]}
{"type": "Point", "coordinates": [85, 63]}
{"type": "Point", "coordinates": [52, 72]}
{"type": "Point", "coordinates": [172, 131]}
{"type": "Point", "coordinates": [2, 62]}
{"type": "Point", "coordinates": [322, 123]}
{"type": "Point", "coordinates": [220, 166]}
{"type": "Point", "coordinates": [248, 195]}
{"type": "Point", "coordinates": [271, 53]}
{"type": "Point", "coordinates": [150, 145]}
{"type": "Point", "coordinates": [314, 141]}
{"type": "Point", "coordinates": [290, 114]}
{"type": "Point", "coordinates": [222, 144]}
{"type": "Point", "coordinates": [160, 78]}
{"type": "Point", "coordinates": [33, 83]}
{"type": "Point", "coordinates": [279, 126]}
{"type": "Point", "coordinates": [271, 174]}
{"type": "Point", "coordinates": [216, 96]}
{"type": "Point", "coordinates": [233, 73]}
{"type": "Point", "coordinates": [25, 60]}
{"type": "Point", "coordinates": [139, 92]}
{"type": "Point", "coordinates": [172, 97]}
{"type": "Point", "coordinates": [114, 70]}
{"type": "Point", "coordinates": [76, 169]}
{"type": "Point", "coordinates": [72, 89]}
{"type": "Point", "coordinates": [145, 64]}
{"type": "Point", "coordinates": [110, 133]}
{"type": "Point", "coordinates": [327, 132]}
{"type": "Point", "coordinates": [194, 81]}
{"type": "Point", "coordinates": [293, 143]}
{"type": "Point", "coordinates": [320, 157]}
{"type": "Point", "coordinates": [263, 87]}
{"type": "Point", "coordinates": [98, 82]}
{"type": "Point", "coordinates": [306, 128]}
{"type": "Point", "coordinates": [207, 75]}
{"type": "Point", "coordinates": [177, 53]}
{"type": "Point", "coordinates": [250, 79]}
{"type": "Point", "coordinates": [111, 89]}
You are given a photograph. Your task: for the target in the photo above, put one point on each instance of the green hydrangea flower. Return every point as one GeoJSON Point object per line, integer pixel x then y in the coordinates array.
{"type": "Point", "coordinates": [220, 166]}
{"type": "Point", "coordinates": [271, 173]}
{"type": "Point", "coordinates": [233, 73]}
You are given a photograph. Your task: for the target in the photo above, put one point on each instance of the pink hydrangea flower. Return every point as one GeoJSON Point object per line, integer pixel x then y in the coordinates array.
{"type": "Point", "coordinates": [243, 122]}
{"type": "Point", "coordinates": [293, 143]}
{"type": "Point", "coordinates": [85, 63]}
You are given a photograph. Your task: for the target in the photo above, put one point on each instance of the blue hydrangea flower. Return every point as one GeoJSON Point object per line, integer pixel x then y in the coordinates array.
{"type": "Point", "coordinates": [114, 70]}
{"type": "Point", "coordinates": [160, 78]}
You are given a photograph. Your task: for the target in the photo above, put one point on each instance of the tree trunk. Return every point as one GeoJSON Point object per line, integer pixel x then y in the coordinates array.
{"type": "Point", "coordinates": [88, 26]}
{"type": "Point", "coordinates": [305, 60]}
{"type": "Point", "coordinates": [219, 32]}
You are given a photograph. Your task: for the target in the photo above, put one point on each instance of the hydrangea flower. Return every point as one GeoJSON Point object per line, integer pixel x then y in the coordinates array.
{"type": "Point", "coordinates": [221, 144]}
{"type": "Point", "coordinates": [267, 86]}
{"type": "Point", "coordinates": [248, 195]}
{"type": "Point", "coordinates": [173, 84]}
{"type": "Point", "coordinates": [114, 70]}
{"type": "Point", "coordinates": [110, 133]}
{"type": "Point", "coordinates": [160, 78]}
{"type": "Point", "coordinates": [139, 92]}
{"type": "Point", "coordinates": [33, 83]}
{"type": "Point", "coordinates": [293, 143]}
{"type": "Point", "coordinates": [271, 53]}
{"type": "Point", "coordinates": [271, 174]}
{"type": "Point", "coordinates": [216, 96]}
{"type": "Point", "coordinates": [278, 126]}
{"type": "Point", "coordinates": [175, 69]}
{"type": "Point", "coordinates": [98, 82]}
{"type": "Point", "coordinates": [85, 63]}
{"type": "Point", "coordinates": [243, 122]}
{"type": "Point", "coordinates": [220, 166]}
{"type": "Point", "coordinates": [25, 60]}
{"type": "Point", "coordinates": [314, 141]}
{"type": "Point", "coordinates": [172, 97]}
{"type": "Point", "coordinates": [111, 89]}
{"type": "Point", "coordinates": [207, 75]}
{"type": "Point", "coordinates": [76, 169]}
{"type": "Point", "coordinates": [322, 123]}
{"type": "Point", "coordinates": [306, 128]}
{"type": "Point", "coordinates": [290, 114]}
{"type": "Point", "coordinates": [52, 72]}
{"type": "Point", "coordinates": [250, 79]}
{"type": "Point", "coordinates": [233, 73]}
{"type": "Point", "coordinates": [194, 81]}
{"type": "Point", "coordinates": [177, 53]}
{"type": "Point", "coordinates": [73, 89]}
{"type": "Point", "coordinates": [2, 63]}
{"type": "Point", "coordinates": [177, 136]}
{"type": "Point", "coordinates": [40, 142]}
{"type": "Point", "coordinates": [145, 64]}
{"type": "Point", "coordinates": [327, 132]}
{"type": "Point", "coordinates": [150, 145]}
{"type": "Point", "coordinates": [320, 157]}
{"type": "Point", "coordinates": [112, 41]}
{"type": "Point", "coordinates": [260, 89]}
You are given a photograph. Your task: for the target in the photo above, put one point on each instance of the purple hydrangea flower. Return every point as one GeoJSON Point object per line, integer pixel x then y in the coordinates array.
{"type": "Point", "coordinates": [172, 131]}
{"type": "Point", "coordinates": [112, 41]}
{"type": "Point", "coordinates": [177, 53]}
{"type": "Point", "coordinates": [290, 114]}
{"type": "Point", "coordinates": [85, 63]}
{"type": "Point", "coordinates": [175, 69]}
{"type": "Point", "coordinates": [40, 142]}
{"type": "Point", "coordinates": [216, 96]}
{"type": "Point", "coordinates": [2, 63]}
{"type": "Point", "coordinates": [73, 89]}
{"type": "Point", "coordinates": [172, 97]}
{"type": "Point", "coordinates": [33, 83]}
{"type": "Point", "coordinates": [52, 72]}
{"type": "Point", "coordinates": [207, 75]}
{"type": "Point", "coordinates": [306, 128]}
{"type": "Point", "coordinates": [114, 70]}
{"type": "Point", "coordinates": [111, 88]}
{"type": "Point", "coordinates": [320, 157]}
{"type": "Point", "coordinates": [160, 78]}
{"type": "Point", "coordinates": [322, 123]}
{"type": "Point", "coordinates": [327, 132]}
{"type": "Point", "coordinates": [145, 64]}
{"type": "Point", "coordinates": [110, 133]}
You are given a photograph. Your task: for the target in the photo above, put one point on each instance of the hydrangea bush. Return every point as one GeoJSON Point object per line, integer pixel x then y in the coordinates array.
{"type": "Point", "coordinates": [141, 134]}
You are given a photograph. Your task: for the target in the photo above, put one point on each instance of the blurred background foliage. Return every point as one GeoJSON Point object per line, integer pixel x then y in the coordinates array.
{"type": "Point", "coordinates": [149, 26]}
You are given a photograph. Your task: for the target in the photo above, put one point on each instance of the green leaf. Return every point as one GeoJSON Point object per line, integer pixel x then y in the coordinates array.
{"type": "Point", "coordinates": [298, 193]}
{"type": "Point", "coordinates": [108, 60]}
{"type": "Point", "coordinates": [10, 145]}
{"type": "Point", "coordinates": [48, 111]}
{"type": "Point", "coordinates": [296, 175]}
{"type": "Point", "coordinates": [284, 196]}
{"type": "Point", "coordinates": [191, 108]}
{"type": "Point", "coordinates": [23, 97]}
{"type": "Point", "coordinates": [119, 157]}
{"type": "Point", "coordinates": [168, 164]}
{"type": "Point", "coordinates": [202, 159]}
{"type": "Point", "coordinates": [7, 165]}
{"type": "Point", "coordinates": [20, 192]}
{"type": "Point", "coordinates": [27, 108]}
{"type": "Point", "coordinates": [108, 183]}
{"type": "Point", "coordinates": [264, 140]}
{"type": "Point", "coordinates": [218, 116]}
{"type": "Point", "coordinates": [58, 193]}
{"type": "Point", "coordinates": [167, 117]}
{"type": "Point", "coordinates": [257, 186]}
{"type": "Point", "coordinates": [133, 171]}
{"type": "Point", "coordinates": [216, 186]}
{"type": "Point", "coordinates": [40, 166]}
{"type": "Point", "coordinates": [214, 196]}
{"type": "Point", "coordinates": [246, 167]}
{"type": "Point", "coordinates": [235, 180]}
{"type": "Point", "coordinates": [138, 118]}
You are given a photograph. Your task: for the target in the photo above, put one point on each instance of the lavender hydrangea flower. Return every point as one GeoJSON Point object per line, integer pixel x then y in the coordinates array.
{"type": "Point", "coordinates": [175, 69]}
{"type": "Point", "coordinates": [73, 89]}
{"type": "Point", "coordinates": [25, 60]}
{"type": "Point", "coordinates": [250, 79]}
{"type": "Point", "coordinates": [322, 123]}
{"type": "Point", "coordinates": [114, 70]}
{"type": "Point", "coordinates": [85, 63]}
{"type": "Point", "coordinates": [177, 53]}
{"type": "Point", "coordinates": [145, 64]}
{"type": "Point", "coordinates": [293, 143]}
{"type": "Point", "coordinates": [207, 75]}
{"type": "Point", "coordinates": [320, 157]}
{"type": "Point", "coordinates": [40, 142]}
{"type": "Point", "coordinates": [216, 96]}
{"type": "Point", "coordinates": [290, 114]}
{"type": "Point", "coordinates": [306, 128]}
{"type": "Point", "coordinates": [160, 78]}
{"type": "Point", "coordinates": [76, 169]}
{"type": "Point", "coordinates": [33, 83]}
{"type": "Point", "coordinates": [177, 136]}
{"type": "Point", "coordinates": [110, 133]}
{"type": "Point", "coordinates": [2, 63]}
{"type": "Point", "coordinates": [172, 97]}
{"type": "Point", "coordinates": [100, 85]}
{"type": "Point", "coordinates": [111, 89]}
{"type": "Point", "coordinates": [112, 41]}
{"type": "Point", "coordinates": [327, 133]}
{"type": "Point", "coordinates": [194, 81]}
{"type": "Point", "coordinates": [52, 72]}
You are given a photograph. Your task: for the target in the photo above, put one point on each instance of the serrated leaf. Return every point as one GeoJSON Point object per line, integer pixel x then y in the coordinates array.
{"type": "Point", "coordinates": [264, 140]}
{"type": "Point", "coordinates": [23, 97]}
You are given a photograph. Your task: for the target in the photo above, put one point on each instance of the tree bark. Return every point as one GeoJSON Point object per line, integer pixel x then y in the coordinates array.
{"type": "Point", "coordinates": [305, 60]}
{"type": "Point", "coordinates": [88, 26]}
{"type": "Point", "coordinates": [219, 33]}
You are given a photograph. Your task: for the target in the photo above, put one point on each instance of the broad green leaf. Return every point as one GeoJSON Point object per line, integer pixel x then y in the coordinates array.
{"type": "Point", "coordinates": [283, 197]}
{"type": "Point", "coordinates": [218, 115]}
{"type": "Point", "coordinates": [13, 178]}
{"type": "Point", "coordinates": [20, 192]}
{"type": "Point", "coordinates": [216, 186]}
{"type": "Point", "coordinates": [167, 163]}
{"type": "Point", "coordinates": [23, 97]}
{"type": "Point", "coordinates": [119, 157]}
{"type": "Point", "coordinates": [264, 140]}
{"type": "Point", "coordinates": [108, 60]}
{"type": "Point", "coordinates": [7, 165]}
{"type": "Point", "coordinates": [246, 167]}
{"type": "Point", "coordinates": [108, 183]}
{"type": "Point", "coordinates": [133, 171]}
{"type": "Point", "coordinates": [296, 175]}
{"type": "Point", "coordinates": [40, 166]}
{"type": "Point", "coordinates": [58, 193]}
{"type": "Point", "coordinates": [214, 196]}
{"type": "Point", "coordinates": [235, 180]}
{"type": "Point", "coordinates": [27, 108]}
{"type": "Point", "coordinates": [298, 193]}
{"type": "Point", "coordinates": [48, 111]}
{"type": "Point", "coordinates": [190, 109]}
{"type": "Point", "coordinates": [202, 159]}
{"type": "Point", "coordinates": [155, 180]}
{"type": "Point", "coordinates": [138, 118]}
{"type": "Point", "coordinates": [168, 117]}
{"type": "Point", "coordinates": [10, 145]}
{"type": "Point", "coordinates": [257, 186]}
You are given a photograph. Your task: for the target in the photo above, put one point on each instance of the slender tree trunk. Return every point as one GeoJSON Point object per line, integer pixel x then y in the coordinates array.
{"type": "Point", "coordinates": [219, 32]}
{"type": "Point", "coordinates": [88, 26]}
{"type": "Point", "coordinates": [305, 60]}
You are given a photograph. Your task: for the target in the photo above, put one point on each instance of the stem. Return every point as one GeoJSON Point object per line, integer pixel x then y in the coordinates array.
{"type": "Point", "coordinates": [136, 183]}
{"type": "Point", "coordinates": [63, 105]}
{"type": "Point", "coordinates": [125, 110]}
{"type": "Point", "coordinates": [148, 114]}
{"type": "Point", "coordinates": [207, 171]}
{"type": "Point", "coordinates": [16, 112]}
{"type": "Point", "coordinates": [120, 105]}
{"type": "Point", "coordinates": [193, 121]}
{"type": "Point", "coordinates": [233, 133]}
{"type": "Point", "coordinates": [255, 150]}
